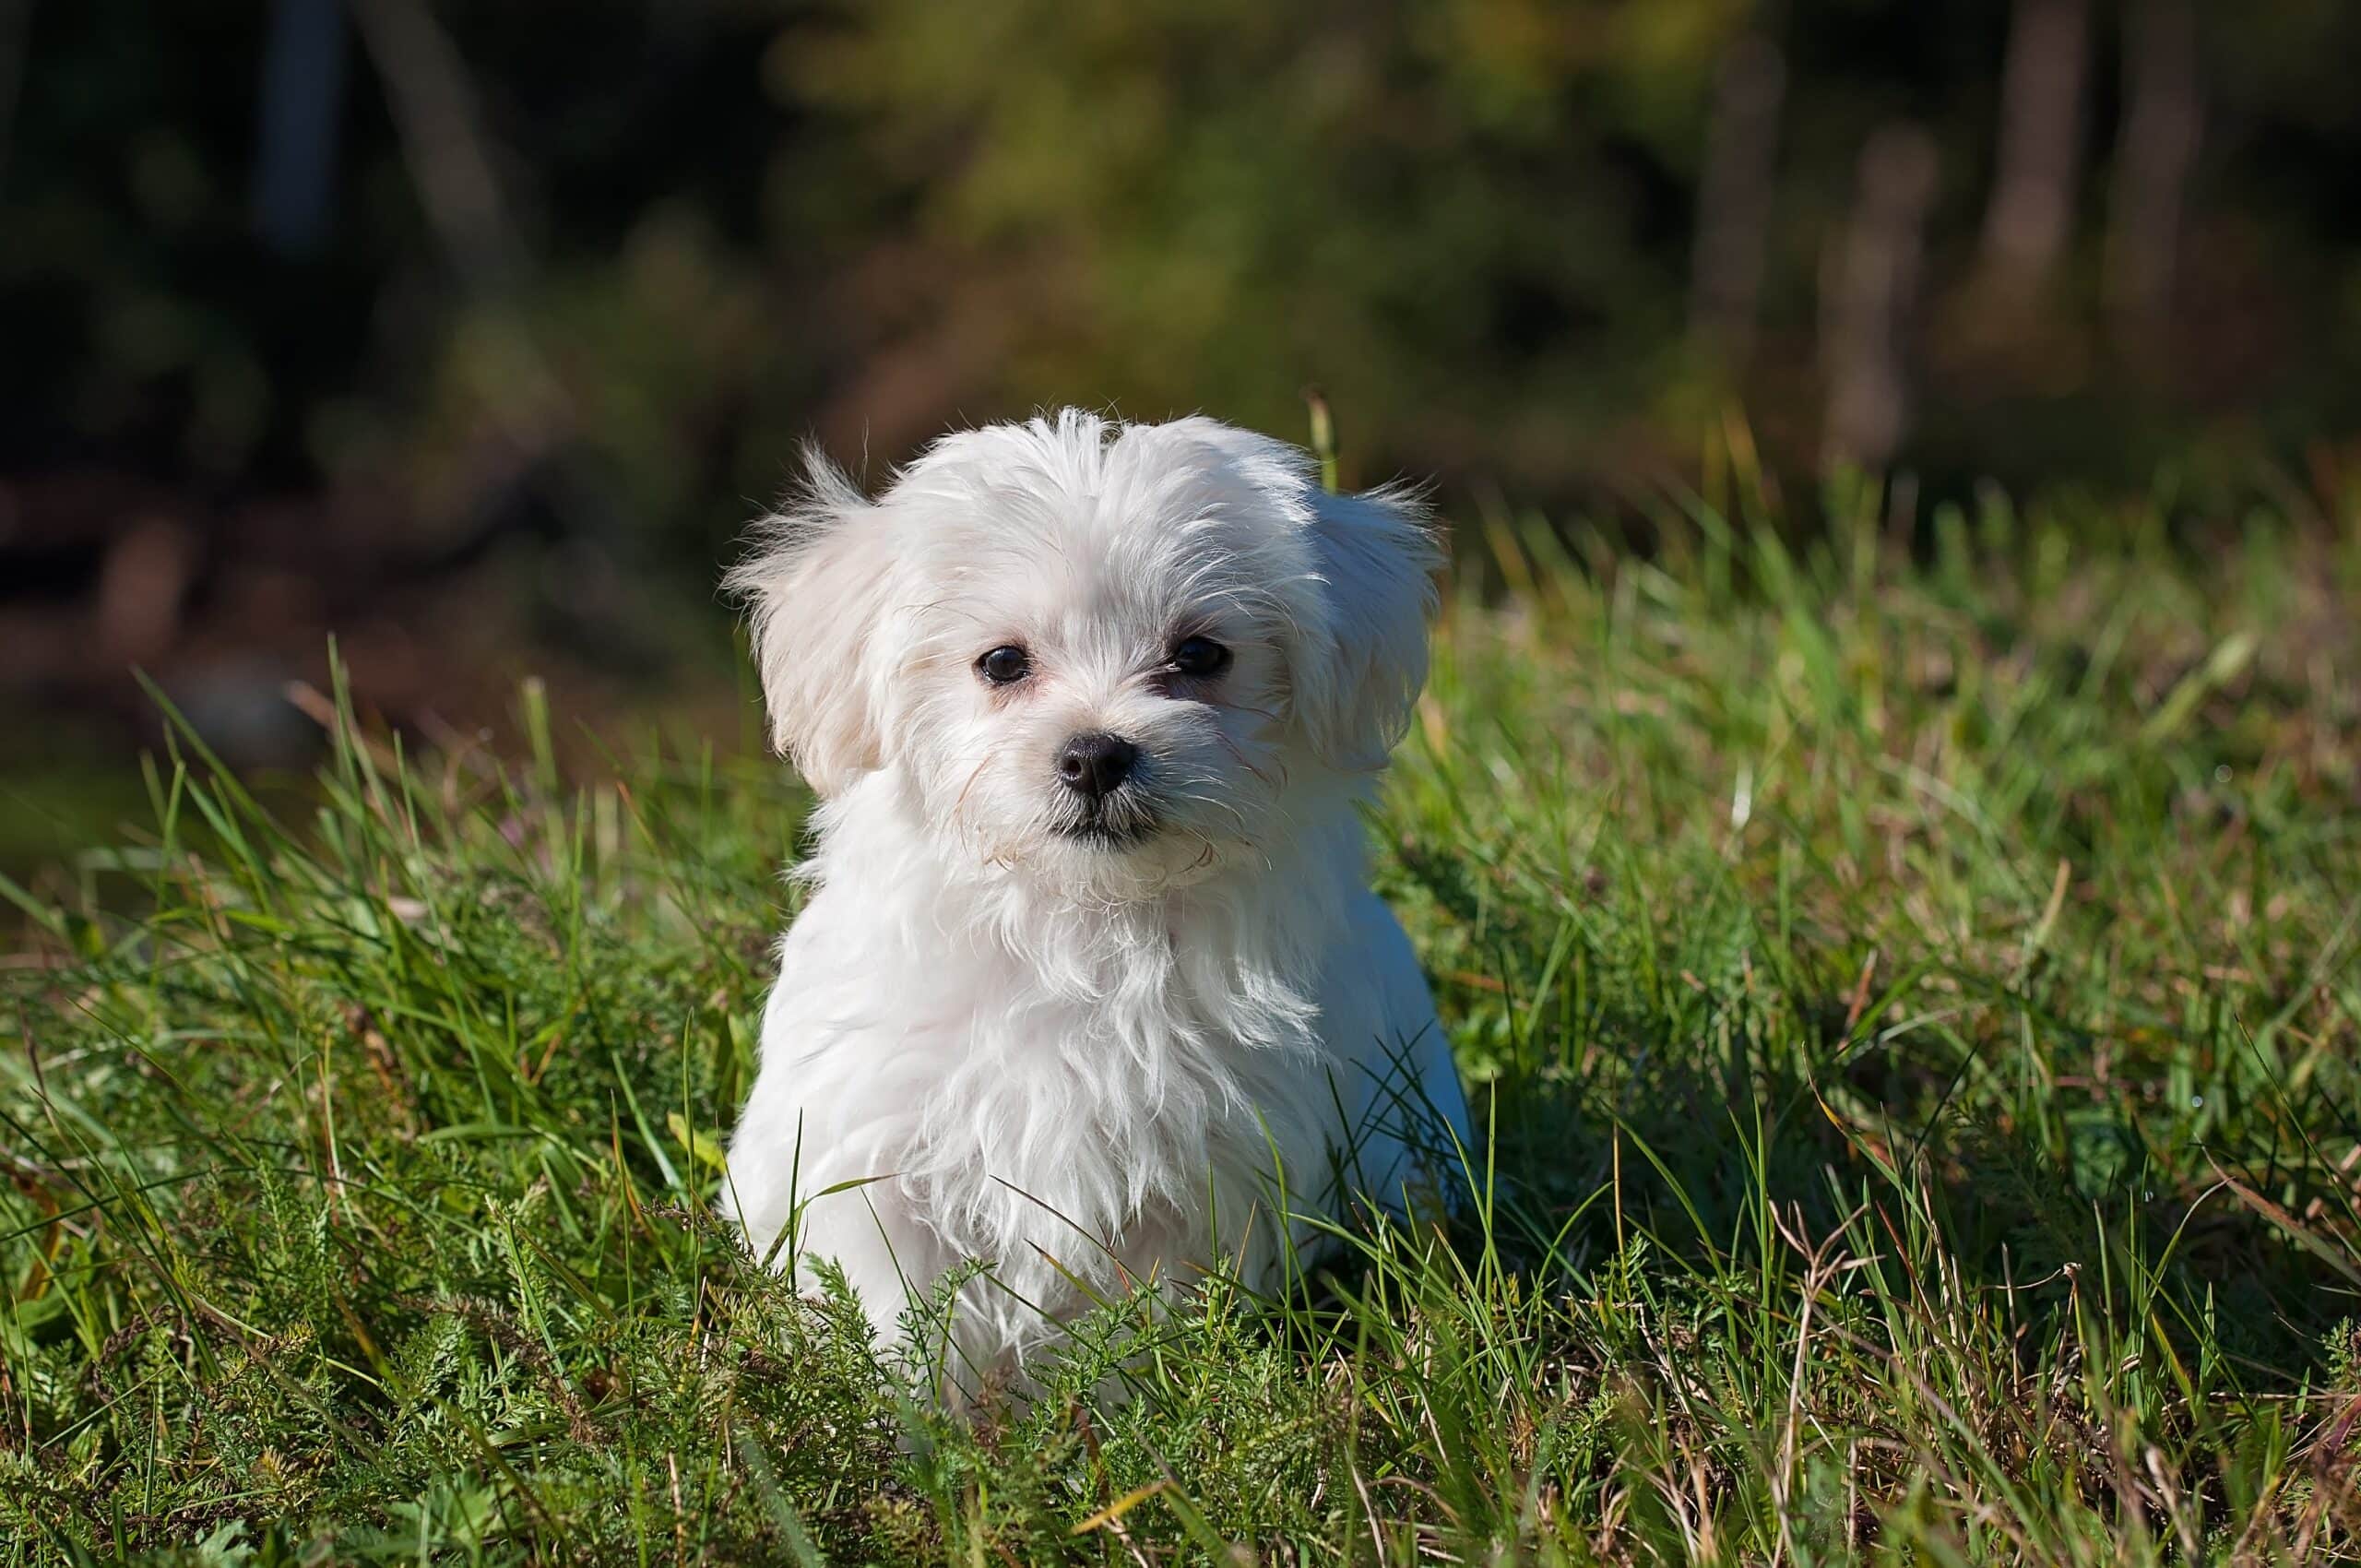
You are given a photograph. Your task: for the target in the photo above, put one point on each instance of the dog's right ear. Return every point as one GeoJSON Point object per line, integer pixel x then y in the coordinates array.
{"type": "Point", "coordinates": [816, 587]}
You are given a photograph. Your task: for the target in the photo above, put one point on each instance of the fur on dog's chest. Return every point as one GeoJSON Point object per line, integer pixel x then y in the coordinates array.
{"type": "Point", "coordinates": [1008, 1107]}
{"type": "Point", "coordinates": [1052, 1113]}
{"type": "Point", "coordinates": [1077, 1094]}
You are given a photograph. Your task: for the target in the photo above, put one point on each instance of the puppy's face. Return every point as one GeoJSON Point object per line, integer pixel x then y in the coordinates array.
{"type": "Point", "coordinates": [1099, 655]}
{"type": "Point", "coordinates": [1102, 692]}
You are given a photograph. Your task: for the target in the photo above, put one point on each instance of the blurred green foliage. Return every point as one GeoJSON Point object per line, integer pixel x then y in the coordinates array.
{"type": "Point", "coordinates": [1471, 221]}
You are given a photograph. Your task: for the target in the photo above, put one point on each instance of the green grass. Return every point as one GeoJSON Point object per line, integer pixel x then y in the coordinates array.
{"type": "Point", "coordinates": [1916, 1007]}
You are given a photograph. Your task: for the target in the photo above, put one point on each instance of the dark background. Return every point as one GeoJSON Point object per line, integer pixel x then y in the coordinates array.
{"type": "Point", "coordinates": [471, 333]}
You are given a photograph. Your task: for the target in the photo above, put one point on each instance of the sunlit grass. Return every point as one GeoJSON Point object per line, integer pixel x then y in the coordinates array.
{"type": "Point", "coordinates": [1915, 1006]}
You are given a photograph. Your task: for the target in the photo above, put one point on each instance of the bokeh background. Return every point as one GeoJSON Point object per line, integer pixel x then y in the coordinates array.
{"type": "Point", "coordinates": [471, 333]}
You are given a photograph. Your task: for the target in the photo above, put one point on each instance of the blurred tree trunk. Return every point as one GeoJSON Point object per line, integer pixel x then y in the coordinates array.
{"type": "Point", "coordinates": [302, 105]}
{"type": "Point", "coordinates": [1869, 284]}
{"type": "Point", "coordinates": [2154, 151]}
{"type": "Point", "coordinates": [16, 21]}
{"type": "Point", "coordinates": [1734, 197]}
{"type": "Point", "coordinates": [2038, 158]}
{"type": "Point", "coordinates": [450, 156]}
{"type": "Point", "coordinates": [434, 114]}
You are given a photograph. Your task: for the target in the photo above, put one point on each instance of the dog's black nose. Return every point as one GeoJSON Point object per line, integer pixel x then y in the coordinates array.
{"type": "Point", "coordinates": [1095, 764]}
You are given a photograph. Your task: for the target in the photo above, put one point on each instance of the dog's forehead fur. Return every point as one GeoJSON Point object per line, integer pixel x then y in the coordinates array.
{"type": "Point", "coordinates": [1133, 523]}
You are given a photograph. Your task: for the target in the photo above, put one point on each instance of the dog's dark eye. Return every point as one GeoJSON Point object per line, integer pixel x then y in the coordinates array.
{"type": "Point", "coordinates": [1200, 656]}
{"type": "Point", "coordinates": [1005, 666]}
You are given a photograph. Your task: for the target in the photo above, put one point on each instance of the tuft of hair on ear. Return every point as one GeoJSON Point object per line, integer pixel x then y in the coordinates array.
{"type": "Point", "coordinates": [1376, 554]}
{"type": "Point", "coordinates": [816, 586]}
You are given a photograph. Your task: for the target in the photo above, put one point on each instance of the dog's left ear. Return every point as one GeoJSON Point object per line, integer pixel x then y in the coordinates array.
{"type": "Point", "coordinates": [1361, 653]}
{"type": "Point", "coordinates": [1356, 577]}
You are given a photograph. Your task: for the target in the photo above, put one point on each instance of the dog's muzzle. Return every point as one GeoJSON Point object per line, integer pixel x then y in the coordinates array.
{"type": "Point", "coordinates": [1102, 802]}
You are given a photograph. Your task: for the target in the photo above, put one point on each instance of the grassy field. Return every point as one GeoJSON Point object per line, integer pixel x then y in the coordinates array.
{"type": "Point", "coordinates": [1915, 1007]}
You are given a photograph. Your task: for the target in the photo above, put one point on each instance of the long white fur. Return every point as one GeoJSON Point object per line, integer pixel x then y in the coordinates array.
{"type": "Point", "coordinates": [1081, 1065]}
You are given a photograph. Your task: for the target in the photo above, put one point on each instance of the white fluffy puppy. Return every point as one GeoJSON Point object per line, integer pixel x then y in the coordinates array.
{"type": "Point", "coordinates": [1091, 984]}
